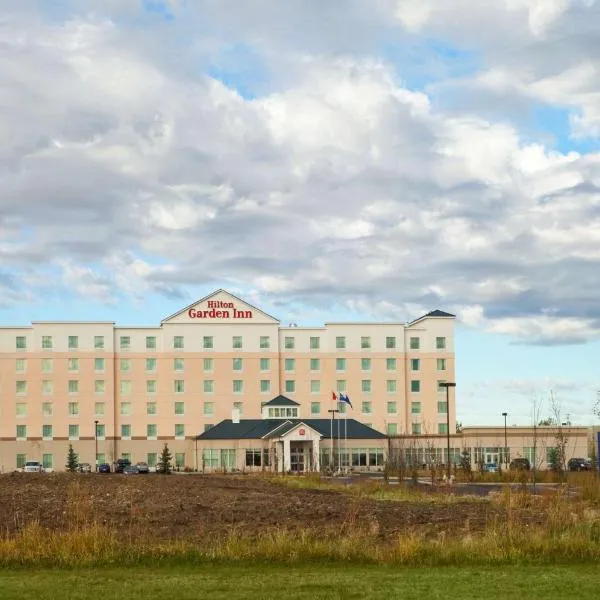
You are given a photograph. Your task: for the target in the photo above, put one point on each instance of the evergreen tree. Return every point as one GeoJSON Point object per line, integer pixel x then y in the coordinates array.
{"type": "Point", "coordinates": [465, 462]}
{"type": "Point", "coordinates": [72, 460]}
{"type": "Point", "coordinates": [164, 463]}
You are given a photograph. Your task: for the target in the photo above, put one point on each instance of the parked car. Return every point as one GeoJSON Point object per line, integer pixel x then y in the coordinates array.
{"type": "Point", "coordinates": [579, 464]}
{"type": "Point", "coordinates": [519, 464]}
{"type": "Point", "coordinates": [143, 467]}
{"type": "Point", "coordinates": [131, 470]}
{"type": "Point", "coordinates": [490, 468]}
{"type": "Point", "coordinates": [122, 464]}
{"type": "Point", "coordinates": [33, 466]}
{"type": "Point", "coordinates": [104, 468]}
{"type": "Point", "coordinates": [85, 468]}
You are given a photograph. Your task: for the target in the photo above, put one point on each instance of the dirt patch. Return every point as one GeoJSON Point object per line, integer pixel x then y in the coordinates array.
{"type": "Point", "coordinates": [202, 506]}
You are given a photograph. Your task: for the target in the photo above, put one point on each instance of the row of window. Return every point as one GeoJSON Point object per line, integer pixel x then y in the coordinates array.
{"type": "Point", "coordinates": [73, 431]}
{"type": "Point", "coordinates": [48, 461]}
{"type": "Point", "coordinates": [289, 342]}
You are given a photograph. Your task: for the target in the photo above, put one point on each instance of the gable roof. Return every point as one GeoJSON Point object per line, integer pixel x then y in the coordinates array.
{"type": "Point", "coordinates": [437, 313]}
{"type": "Point", "coordinates": [281, 401]}
{"type": "Point", "coordinates": [256, 429]}
{"type": "Point", "coordinates": [219, 291]}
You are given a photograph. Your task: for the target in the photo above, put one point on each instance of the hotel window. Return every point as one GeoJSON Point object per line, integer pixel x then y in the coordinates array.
{"type": "Point", "coordinates": [340, 385]}
{"type": "Point", "coordinates": [151, 386]}
{"type": "Point", "coordinates": [415, 408]}
{"type": "Point", "coordinates": [415, 364]}
{"type": "Point", "coordinates": [207, 342]}
{"type": "Point", "coordinates": [238, 386]}
{"type": "Point", "coordinates": [125, 364]}
{"type": "Point", "coordinates": [151, 431]}
{"type": "Point", "coordinates": [391, 386]}
{"type": "Point", "coordinates": [151, 459]}
{"type": "Point", "coordinates": [290, 364]}
{"type": "Point", "coordinates": [340, 342]}
{"type": "Point", "coordinates": [442, 428]}
{"type": "Point", "coordinates": [21, 459]}
{"type": "Point", "coordinates": [265, 364]}
{"type": "Point", "coordinates": [47, 461]}
{"type": "Point", "coordinates": [21, 365]}
{"type": "Point", "coordinates": [47, 409]}
{"type": "Point", "coordinates": [365, 364]}
{"type": "Point", "coordinates": [179, 386]}
{"type": "Point", "coordinates": [315, 364]}
{"type": "Point", "coordinates": [73, 342]}
{"type": "Point", "coordinates": [366, 408]}
{"type": "Point", "coordinates": [178, 364]}
{"type": "Point", "coordinates": [47, 387]}
{"type": "Point", "coordinates": [209, 409]}
{"type": "Point", "coordinates": [416, 428]}
{"type": "Point", "coordinates": [47, 343]}
{"type": "Point", "coordinates": [237, 364]}
{"type": "Point", "coordinates": [125, 342]}
{"type": "Point", "coordinates": [441, 364]}
{"type": "Point", "coordinates": [415, 385]}
{"type": "Point", "coordinates": [47, 364]}
{"type": "Point", "coordinates": [442, 408]}
{"type": "Point", "coordinates": [150, 408]}
{"type": "Point", "coordinates": [440, 343]}
{"type": "Point", "coordinates": [151, 364]}
{"type": "Point", "coordinates": [290, 386]}
{"type": "Point", "coordinates": [315, 386]}
{"type": "Point", "coordinates": [365, 386]}
{"type": "Point", "coordinates": [47, 432]}
{"type": "Point", "coordinates": [315, 343]}
{"type": "Point", "coordinates": [342, 406]}
{"type": "Point", "coordinates": [126, 432]}
{"type": "Point", "coordinates": [180, 460]}
{"type": "Point", "coordinates": [365, 342]}
{"type": "Point", "coordinates": [178, 342]}
{"type": "Point", "coordinates": [99, 386]}
{"type": "Point", "coordinates": [21, 409]}
{"type": "Point", "coordinates": [21, 388]}
{"type": "Point", "coordinates": [340, 364]}
{"type": "Point", "coordinates": [209, 386]}
{"type": "Point", "coordinates": [390, 343]}
{"type": "Point", "coordinates": [265, 342]}
{"type": "Point", "coordinates": [21, 432]}
{"type": "Point", "coordinates": [21, 342]}
{"type": "Point", "coordinates": [392, 428]}
{"type": "Point", "coordinates": [73, 365]}
{"type": "Point", "coordinates": [150, 342]}
{"type": "Point", "coordinates": [392, 408]}
{"type": "Point", "coordinates": [440, 386]}
{"type": "Point", "coordinates": [179, 431]}
{"type": "Point", "coordinates": [289, 343]}
{"type": "Point", "coordinates": [99, 365]}
{"type": "Point", "coordinates": [73, 409]}
{"type": "Point", "coordinates": [390, 364]}
{"type": "Point", "coordinates": [209, 365]}
{"type": "Point", "coordinates": [126, 408]}
{"type": "Point", "coordinates": [315, 408]}
{"type": "Point", "coordinates": [73, 386]}
{"type": "Point", "coordinates": [99, 409]}
{"type": "Point", "coordinates": [180, 408]}
{"type": "Point", "coordinates": [239, 406]}
{"type": "Point", "coordinates": [73, 432]}
{"type": "Point", "coordinates": [101, 431]}
{"type": "Point", "coordinates": [99, 342]}
{"type": "Point", "coordinates": [265, 386]}
{"type": "Point", "coordinates": [236, 342]}
{"type": "Point", "coordinates": [415, 343]}
{"type": "Point", "coordinates": [125, 388]}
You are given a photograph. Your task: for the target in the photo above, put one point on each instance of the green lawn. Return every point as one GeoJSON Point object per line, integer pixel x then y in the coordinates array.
{"type": "Point", "coordinates": [260, 581]}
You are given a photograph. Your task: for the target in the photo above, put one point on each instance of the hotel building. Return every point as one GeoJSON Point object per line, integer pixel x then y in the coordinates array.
{"type": "Point", "coordinates": [120, 391]}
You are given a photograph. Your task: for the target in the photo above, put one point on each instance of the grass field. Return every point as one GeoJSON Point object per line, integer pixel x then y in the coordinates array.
{"type": "Point", "coordinates": [259, 580]}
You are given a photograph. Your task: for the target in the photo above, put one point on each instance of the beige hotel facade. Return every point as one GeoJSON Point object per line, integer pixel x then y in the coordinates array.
{"type": "Point", "coordinates": [139, 387]}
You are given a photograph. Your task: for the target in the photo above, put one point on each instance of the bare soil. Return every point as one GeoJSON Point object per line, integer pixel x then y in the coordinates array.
{"type": "Point", "coordinates": [195, 507]}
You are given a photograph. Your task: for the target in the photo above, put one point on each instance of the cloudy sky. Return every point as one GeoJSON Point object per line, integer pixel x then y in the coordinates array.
{"type": "Point", "coordinates": [326, 160]}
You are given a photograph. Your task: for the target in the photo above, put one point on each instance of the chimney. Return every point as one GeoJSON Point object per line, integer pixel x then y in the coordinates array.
{"type": "Point", "coordinates": [235, 415]}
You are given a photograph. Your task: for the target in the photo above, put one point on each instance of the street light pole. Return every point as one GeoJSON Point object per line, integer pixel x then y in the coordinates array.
{"type": "Point", "coordinates": [505, 414]}
{"type": "Point", "coordinates": [96, 444]}
{"type": "Point", "coordinates": [448, 385]}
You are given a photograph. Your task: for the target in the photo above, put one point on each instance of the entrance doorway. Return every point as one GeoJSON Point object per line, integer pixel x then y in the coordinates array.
{"type": "Point", "coordinates": [297, 457]}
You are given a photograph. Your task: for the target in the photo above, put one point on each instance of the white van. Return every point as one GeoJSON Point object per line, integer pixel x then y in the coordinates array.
{"type": "Point", "coordinates": [32, 466]}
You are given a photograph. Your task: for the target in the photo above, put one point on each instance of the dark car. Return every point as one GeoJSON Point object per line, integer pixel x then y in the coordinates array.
{"type": "Point", "coordinates": [131, 470]}
{"type": "Point", "coordinates": [104, 468]}
{"type": "Point", "coordinates": [143, 467]}
{"type": "Point", "coordinates": [579, 464]}
{"type": "Point", "coordinates": [520, 464]}
{"type": "Point", "coordinates": [122, 464]}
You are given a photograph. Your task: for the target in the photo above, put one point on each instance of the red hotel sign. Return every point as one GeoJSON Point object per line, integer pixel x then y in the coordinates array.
{"type": "Point", "coordinates": [212, 313]}
{"type": "Point", "coordinates": [301, 431]}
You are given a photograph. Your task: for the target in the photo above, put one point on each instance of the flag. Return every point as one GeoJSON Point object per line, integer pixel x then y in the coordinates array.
{"type": "Point", "coordinates": [333, 396]}
{"type": "Point", "coordinates": [345, 398]}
